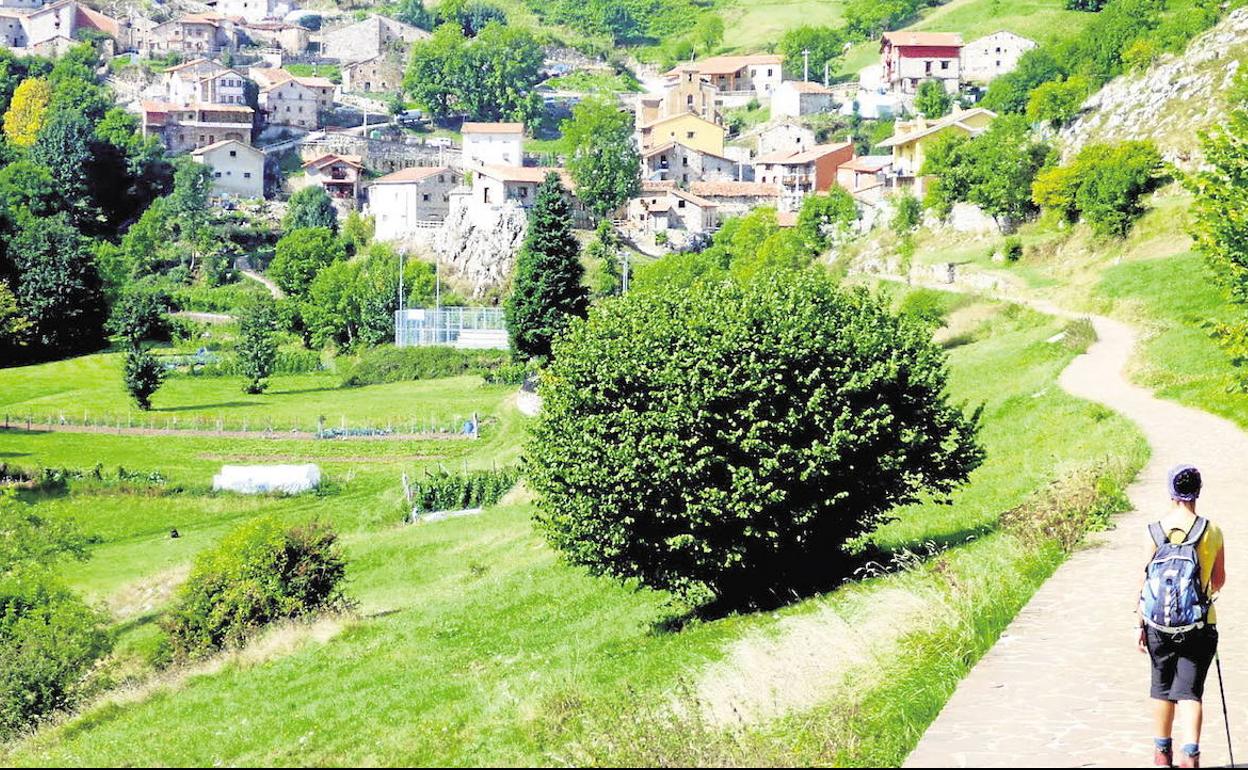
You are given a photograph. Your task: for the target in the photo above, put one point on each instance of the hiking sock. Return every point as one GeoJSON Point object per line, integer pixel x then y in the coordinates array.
{"type": "Point", "coordinates": [1163, 744]}
{"type": "Point", "coordinates": [1191, 749]}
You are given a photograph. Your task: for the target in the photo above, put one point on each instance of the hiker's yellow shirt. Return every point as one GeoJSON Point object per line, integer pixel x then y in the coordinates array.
{"type": "Point", "coordinates": [1207, 549]}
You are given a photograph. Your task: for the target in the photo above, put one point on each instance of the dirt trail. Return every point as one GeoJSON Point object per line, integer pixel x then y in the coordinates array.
{"type": "Point", "coordinates": [1065, 686]}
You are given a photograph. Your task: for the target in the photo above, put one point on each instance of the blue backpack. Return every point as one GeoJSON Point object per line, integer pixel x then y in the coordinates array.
{"type": "Point", "coordinates": [1173, 599]}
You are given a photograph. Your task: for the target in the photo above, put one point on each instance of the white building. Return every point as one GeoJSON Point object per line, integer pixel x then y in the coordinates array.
{"type": "Point", "coordinates": [993, 55]}
{"type": "Point", "coordinates": [794, 98]}
{"type": "Point", "coordinates": [785, 136]}
{"type": "Point", "coordinates": [493, 144]}
{"type": "Point", "coordinates": [204, 81]}
{"type": "Point", "coordinates": [410, 199]}
{"type": "Point", "coordinates": [254, 10]}
{"type": "Point", "coordinates": [237, 168]}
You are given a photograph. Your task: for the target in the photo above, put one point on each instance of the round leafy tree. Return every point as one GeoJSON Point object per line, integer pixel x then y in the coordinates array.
{"type": "Point", "coordinates": [733, 439]}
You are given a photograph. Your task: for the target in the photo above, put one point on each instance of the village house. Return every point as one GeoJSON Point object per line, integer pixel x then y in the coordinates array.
{"type": "Point", "coordinates": [681, 164]}
{"type": "Point", "coordinates": [237, 168]}
{"type": "Point", "coordinates": [411, 199]}
{"type": "Point", "coordinates": [799, 174]}
{"type": "Point", "coordinates": [368, 39]}
{"type": "Point", "coordinates": [909, 58]}
{"type": "Point", "coordinates": [495, 186]}
{"type": "Point", "coordinates": [737, 79]}
{"type": "Point", "coordinates": [253, 10]}
{"type": "Point", "coordinates": [671, 209]}
{"type": "Point", "coordinates": [383, 72]}
{"type": "Point", "coordinates": [492, 144]}
{"type": "Point", "coordinates": [686, 90]}
{"type": "Point", "coordinates": [795, 98]}
{"type": "Point", "coordinates": [687, 128]}
{"type": "Point", "coordinates": [289, 38]}
{"type": "Point", "coordinates": [786, 136]}
{"type": "Point", "coordinates": [288, 100]}
{"type": "Point", "coordinates": [203, 34]}
{"type": "Point", "coordinates": [339, 175]}
{"type": "Point", "coordinates": [24, 5]}
{"type": "Point", "coordinates": [993, 55]}
{"type": "Point", "coordinates": [51, 30]}
{"type": "Point", "coordinates": [865, 176]}
{"type": "Point", "coordinates": [734, 199]}
{"type": "Point", "coordinates": [202, 80]}
{"type": "Point", "coordinates": [184, 127]}
{"type": "Point", "coordinates": [911, 140]}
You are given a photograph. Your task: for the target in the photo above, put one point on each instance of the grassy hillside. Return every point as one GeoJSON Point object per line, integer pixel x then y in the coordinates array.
{"type": "Point", "coordinates": [755, 25]}
{"type": "Point", "coordinates": [473, 644]}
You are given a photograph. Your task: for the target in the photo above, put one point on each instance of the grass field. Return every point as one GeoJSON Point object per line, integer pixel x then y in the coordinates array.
{"type": "Point", "coordinates": [754, 25]}
{"type": "Point", "coordinates": [473, 644]}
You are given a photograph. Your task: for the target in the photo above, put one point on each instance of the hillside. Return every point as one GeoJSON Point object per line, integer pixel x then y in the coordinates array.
{"type": "Point", "coordinates": [1170, 102]}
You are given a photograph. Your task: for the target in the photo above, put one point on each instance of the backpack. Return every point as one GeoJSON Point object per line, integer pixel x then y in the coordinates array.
{"type": "Point", "coordinates": [1173, 599]}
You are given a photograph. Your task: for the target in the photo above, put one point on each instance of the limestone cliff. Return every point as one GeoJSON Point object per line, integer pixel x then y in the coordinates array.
{"type": "Point", "coordinates": [479, 247]}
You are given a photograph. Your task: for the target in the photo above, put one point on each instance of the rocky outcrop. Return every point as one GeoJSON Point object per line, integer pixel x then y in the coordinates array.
{"type": "Point", "coordinates": [1172, 100]}
{"type": "Point", "coordinates": [479, 246]}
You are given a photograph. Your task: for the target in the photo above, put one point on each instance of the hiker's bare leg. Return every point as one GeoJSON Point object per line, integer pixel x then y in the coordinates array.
{"type": "Point", "coordinates": [1163, 718]}
{"type": "Point", "coordinates": [1191, 717]}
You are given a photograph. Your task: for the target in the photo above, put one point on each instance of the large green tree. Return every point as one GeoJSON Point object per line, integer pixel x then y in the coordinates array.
{"type": "Point", "coordinates": [310, 207]}
{"type": "Point", "coordinates": [257, 344]}
{"type": "Point", "coordinates": [492, 76]}
{"type": "Point", "coordinates": [602, 158]}
{"type": "Point", "coordinates": [59, 290]}
{"type": "Point", "coordinates": [300, 255]}
{"type": "Point", "coordinates": [932, 100]}
{"type": "Point", "coordinates": [546, 288]}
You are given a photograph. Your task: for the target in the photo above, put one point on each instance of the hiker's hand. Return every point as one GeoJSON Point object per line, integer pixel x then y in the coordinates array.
{"type": "Point", "coordinates": [1141, 642]}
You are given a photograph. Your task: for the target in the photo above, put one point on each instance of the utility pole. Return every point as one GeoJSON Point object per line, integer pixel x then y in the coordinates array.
{"type": "Point", "coordinates": [627, 265]}
{"type": "Point", "coordinates": [825, 74]}
{"type": "Point", "coordinates": [400, 280]}
{"type": "Point", "coordinates": [805, 64]}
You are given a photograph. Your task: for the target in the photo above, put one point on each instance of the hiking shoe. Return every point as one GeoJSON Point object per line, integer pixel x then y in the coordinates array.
{"type": "Point", "coordinates": [1163, 758]}
{"type": "Point", "coordinates": [1187, 760]}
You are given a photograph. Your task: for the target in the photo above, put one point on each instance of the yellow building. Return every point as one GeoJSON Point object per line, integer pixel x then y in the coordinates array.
{"type": "Point", "coordinates": [913, 138]}
{"type": "Point", "coordinates": [687, 129]}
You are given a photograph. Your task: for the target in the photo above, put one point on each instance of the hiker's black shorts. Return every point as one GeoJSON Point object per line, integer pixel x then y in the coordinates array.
{"type": "Point", "coordinates": [1181, 662]}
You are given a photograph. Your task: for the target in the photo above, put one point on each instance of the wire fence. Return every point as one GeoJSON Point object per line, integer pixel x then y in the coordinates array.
{"type": "Point", "coordinates": [445, 426]}
{"type": "Point", "coordinates": [483, 327]}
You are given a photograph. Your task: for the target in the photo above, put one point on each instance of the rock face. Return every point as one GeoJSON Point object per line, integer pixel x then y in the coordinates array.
{"type": "Point", "coordinates": [480, 247]}
{"type": "Point", "coordinates": [1172, 100]}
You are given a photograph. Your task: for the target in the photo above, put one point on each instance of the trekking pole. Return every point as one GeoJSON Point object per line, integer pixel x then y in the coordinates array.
{"type": "Point", "coordinates": [1226, 720]}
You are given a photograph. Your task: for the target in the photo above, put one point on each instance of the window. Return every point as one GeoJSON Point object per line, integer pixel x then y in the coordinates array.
{"type": "Point", "coordinates": [688, 134]}
{"type": "Point", "coordinates": [524, 192]}
{"type": "Point", "coordinates": [944, 65]}
{"type": "Point", "coordinates": [681, 203]}
{"type": "Point", "coordinates": [246, 175]}
{"type": "Point", "coordinates": [425, 197]}
{"type": "Point", "coordinates": [217, 175]}
{"type": "Point", "coordinates": [233, 153]}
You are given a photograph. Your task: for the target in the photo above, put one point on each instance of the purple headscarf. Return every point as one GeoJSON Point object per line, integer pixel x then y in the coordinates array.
{"type": "Point", "coordinates": [1184, 483]}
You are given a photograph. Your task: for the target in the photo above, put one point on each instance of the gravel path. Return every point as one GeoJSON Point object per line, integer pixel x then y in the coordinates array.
{"type": "Point", "coordinates": [1065, 686]}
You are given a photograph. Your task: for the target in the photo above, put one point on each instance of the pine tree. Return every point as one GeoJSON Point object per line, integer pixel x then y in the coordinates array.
{"type": "Point", "coordinates": [547, 288]}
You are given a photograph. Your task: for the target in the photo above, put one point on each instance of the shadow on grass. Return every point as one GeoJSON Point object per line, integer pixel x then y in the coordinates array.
{"type": "Point", "coordinates": [866, 565]}
{"type": "Point", "coordinates": [195, 407]}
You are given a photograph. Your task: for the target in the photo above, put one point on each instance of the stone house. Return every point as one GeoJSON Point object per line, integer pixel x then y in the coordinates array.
{"type": "Point", "coordinates": [661, 210]}
{"type": "Point", "coordinates": [737, 198]}
{"type": "Point", "coordinates": [496, 186]}
{"type": "Point", "coordinates": [289, 38]}
{"type": "Point", "coordinates": [368, 39]}
{"type": "Point", "coordinates": [382, 73]}
{"type": "Point", "coordinates": [993, 55]}
{"type": "Point", "coordinates": [237, 168]}
{"type": "Point", "coordinates": [686, 90]}
{"type": "Point", "coordinates": [203, 34]}
{"type": "Point", "coordinates": [492, 144]}
{"type": "Point", "coordinates": [740, 78]}
{"type": "Point", "coordinates": [799, 174]}
{"type": "Point", "coordinates": [50, 30]}
{"type": "Point", "coordinates": [288, 100]}
{"type": "Point", "coordinates": [682, 164]}
{"type": "Point", "coordinates": [785, 136]}
{"type": "Point", "coordinates": [184, 127]}
{"type": "Point", "coordinates": [866, 176]}
{"type": "Point", "coordinates": [410, 199]}
{"type": "Point", "coordinates": [795, 98]}
{"type": "Point", "coordinates": [909, 58]}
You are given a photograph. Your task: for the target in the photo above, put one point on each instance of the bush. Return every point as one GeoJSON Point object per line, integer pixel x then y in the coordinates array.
{"type": "Point", "coordinates": [1079, 502]}
{"type": "Point", "coordinates": [259, 573]}
{"type": "Point", "coordinates": [1104, 185]}
{"type": "Point", "coordinates": [734, 439]}
{"type": "Point", "coordinates": [387, 363]}
{"type": "Point", "coordinates": [49, 637]}
{"type": "Point", "coordinates": [1012, 249]}
{"type": "Point", "coordinates": [445, 491]}
{"type": "Point", "coordinates": [144, 375]}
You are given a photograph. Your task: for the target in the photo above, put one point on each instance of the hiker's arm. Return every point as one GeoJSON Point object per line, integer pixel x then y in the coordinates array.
{"type": "Point", "coordinates": [1218, 578]}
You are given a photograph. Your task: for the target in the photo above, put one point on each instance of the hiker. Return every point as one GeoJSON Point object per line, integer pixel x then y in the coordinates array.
{"type": "Point", "coordinates": [1186, 569]}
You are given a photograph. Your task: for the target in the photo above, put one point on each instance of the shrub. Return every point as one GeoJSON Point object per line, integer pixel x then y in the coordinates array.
{"type": "Point", "coordinates": [144, 375]}
{"type": "Point", "coordinates": [1104, 185]}
{"type": "Point", "coordinates": [49, 637]}
{"type": "Point", "coordinates": [259, 573]}
{"type": "Point", "coordinates": [257, 344]}
{"type": "Point", "coordinates": [907, 214]}
{"type": "Point", "coordinates": [1012, 249]}
{"type": "Point", "coordinates": [387, 363]}
{"type": "Point", "coordinates": [1063, 512]}
{"type": "Point", "coordinates": [734, 439]}
{"type": "Point", "coordinates": [445, 491]}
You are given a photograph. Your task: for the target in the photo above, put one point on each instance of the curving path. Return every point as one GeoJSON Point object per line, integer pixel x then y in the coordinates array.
{"type": "Point", "coordinates": [1064, 686]}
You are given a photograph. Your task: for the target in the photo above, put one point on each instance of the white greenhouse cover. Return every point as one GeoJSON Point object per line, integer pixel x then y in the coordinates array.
{"type": "Point", "coordinates": [256, 479]}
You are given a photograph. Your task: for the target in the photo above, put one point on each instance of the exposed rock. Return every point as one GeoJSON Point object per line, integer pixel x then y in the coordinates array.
{"type": "Point", "coordinates": [480, 248]}
{"type": "Point", "coordinates": [1169, 102]}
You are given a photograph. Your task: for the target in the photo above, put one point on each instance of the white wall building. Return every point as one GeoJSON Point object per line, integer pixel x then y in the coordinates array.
{"type": "Point", "coordinates": [993, 55]}
{"type": "Point", "coordinates": [410, 199]}
{"type": "Point", "coordinates": [237, 168]}
{"type": "Point", "coordinates": [794, 98]}
{"type": "Point", "coordinates": [493, 144]}
{"type": "Point", "coordinates": [254, 10]}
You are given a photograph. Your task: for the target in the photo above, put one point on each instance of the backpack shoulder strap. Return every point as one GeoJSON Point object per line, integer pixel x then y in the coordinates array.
{"type": "Point", "coordinates": [1157, 533]}
{"type": "Point", "coordinates": [1197, 531]}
